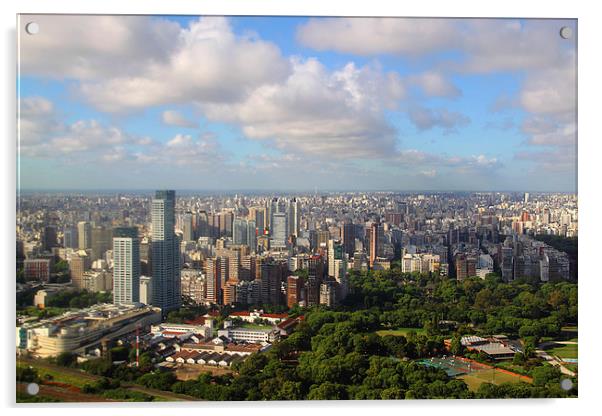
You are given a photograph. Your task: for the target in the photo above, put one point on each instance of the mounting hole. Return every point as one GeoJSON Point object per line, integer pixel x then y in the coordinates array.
{"type": "Point", "coordinates": [566, 384]}
{"type": "Point", "coordinates": [566, 32]}
{"type": "Point", "coordinates": [32, 28]}
{"type": "Point", "coordinates": [33, 389]}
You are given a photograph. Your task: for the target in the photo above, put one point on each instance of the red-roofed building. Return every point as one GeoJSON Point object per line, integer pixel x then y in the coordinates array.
{"type": "Point", "coordinates": [196, 321]}
{"type": "Point", "coordinates": [287, 326]}
{"type": "Point", "coordinates": [248, 316]}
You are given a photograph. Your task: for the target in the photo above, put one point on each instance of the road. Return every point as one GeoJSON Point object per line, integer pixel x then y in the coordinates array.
{"type": "Point", "coordinates": [555, 361]}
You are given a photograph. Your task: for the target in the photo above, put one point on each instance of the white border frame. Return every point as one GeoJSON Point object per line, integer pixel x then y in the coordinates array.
{"type": "Point", "coordinates": [589, 71]}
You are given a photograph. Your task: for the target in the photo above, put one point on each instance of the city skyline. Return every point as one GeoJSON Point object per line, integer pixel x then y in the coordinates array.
{"type": "Point", "coordinates": [200, 283]}
{"type": "Point", "coordinates": [474, 105]}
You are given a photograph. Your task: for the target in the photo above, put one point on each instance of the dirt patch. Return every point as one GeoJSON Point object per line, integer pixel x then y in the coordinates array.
{"type": "Point", "coordinates": [192, 371]}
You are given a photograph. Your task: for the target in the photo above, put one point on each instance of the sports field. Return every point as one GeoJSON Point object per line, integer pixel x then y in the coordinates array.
{"type": "Point", "coordinates": [474, 374]}
{"type": "Point", "coordinates": [493, 376]}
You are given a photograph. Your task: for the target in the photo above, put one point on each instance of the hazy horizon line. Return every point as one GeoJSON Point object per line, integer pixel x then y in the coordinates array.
{"type": "Point", "coordinates": [306, 191]}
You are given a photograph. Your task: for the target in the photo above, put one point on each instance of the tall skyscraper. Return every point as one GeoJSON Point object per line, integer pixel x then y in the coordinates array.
{"type": "Point", "coordinates": [187, 227]}
{"type": "Point", "coordinates": [78, 264]}
{"type": "Point", "coordinates": [70, 239]}
{"type": "Point", "coordinates": [84, 234]}
{"type": "Point", "coordinates": [373, 242]}
{"type": "Point", "coordinates": [225, 223]}
{"type": "Point", "coordinates": [258, 214]}
{"type": "Point", "coordinates": [279, 230]}
{"type": "Point", "coordinates": [294, 217]}
{"type": "Point", "coordinates": [335, 252]}
{"type": "Point", "coordinates": [349, 238]}
{"type": "Point", "coordinates": [48, 238]}
{"type": "Point", "coordinates": [213, 272]}
{"type": "Point", "coordinates": [239, 231]}
{"type": "Point", "coordinates": [252, 235]}
{"type": "Point", "coordinates": [126, 265]}
{"type": "Point", "coordinates": [202, 224]}
{"type": "Point", "coordinates": [165, 253]}
{"type": "Point", "coordinates": [146, 285]}
{"type": "Point", "coordinates": [100, 241]}
{"type": "Point", "coordinates": [245, 232]}
{"type": "Point", "coordinates": [294, 290]}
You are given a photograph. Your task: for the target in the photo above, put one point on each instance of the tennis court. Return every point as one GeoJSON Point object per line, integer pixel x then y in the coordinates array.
{"type": "Point", "coordinates": [453, 366]}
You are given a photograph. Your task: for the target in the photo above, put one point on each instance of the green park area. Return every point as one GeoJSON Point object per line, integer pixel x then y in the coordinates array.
{"type": "Point", "coordinates": [400, 331]}
{"type": "Point", "coordinates": [564, 351]}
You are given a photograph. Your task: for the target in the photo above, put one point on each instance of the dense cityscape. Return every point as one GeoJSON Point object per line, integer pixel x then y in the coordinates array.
{"type": "Point", "coordinates": [126, 284]}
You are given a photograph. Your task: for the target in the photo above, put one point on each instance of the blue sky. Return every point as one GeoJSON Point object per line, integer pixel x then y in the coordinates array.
{"type": "Point", "coordinates": [293, 103]}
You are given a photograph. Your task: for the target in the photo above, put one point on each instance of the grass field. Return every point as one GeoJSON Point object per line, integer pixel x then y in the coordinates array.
{"type": "Point", "coordinates": [564, 351]}
{"type": "Point", "coordinates": [474, 380]}
{"type": "Point", "coordinates": [76, 378]}
{"type": "Point", "coordinates": [399, 331]}
{"type": "Point", "coordinates": [259, 327]}
{"type": "Point", "coordinates": [511, 367]}
{"type": "Point", "coordinates": [570, 329]}
{"type": "Point", "coordinates": [67, 377]}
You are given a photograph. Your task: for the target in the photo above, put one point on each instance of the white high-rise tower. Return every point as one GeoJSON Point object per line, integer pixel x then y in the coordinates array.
{"type": "Point", "coordinates": [126, 265]}
{"type": "Point", "coordinates": [165, 249]}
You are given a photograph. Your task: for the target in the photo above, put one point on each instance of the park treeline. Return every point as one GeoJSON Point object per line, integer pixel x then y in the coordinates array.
{"type": "Point", "coordinates": [523, 308]}
{"type": "Point", "coordinates": [336, 354]}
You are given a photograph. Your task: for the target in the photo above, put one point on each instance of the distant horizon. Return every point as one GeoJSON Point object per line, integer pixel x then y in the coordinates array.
{"type": "Point", "coordinates": [290, 191]}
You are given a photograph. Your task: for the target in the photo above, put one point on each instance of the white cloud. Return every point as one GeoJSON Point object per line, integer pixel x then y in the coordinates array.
{"type": "Point", "coordinates": [414, 157]}
{"type": "Point", "coordinates": [331, 114]}
{"type": "Point", "coordinates": [552, 90]}
{"type": "Point", "coordinates": [186, 150]}
{"type": "Point", "coordinates": [89, 47]}
{"type": "Point", "coordinates": [548, 131]}
{"type": "Point", "coordinates": [371, 36]}
{"type": "Point", "coordinates": [558, 160]}
{"type": "Point", "coordinates": [123, 64]}
{"type": "Point", "coordinates": [174, 118]}
{"type": "Point", "coordinates": [485, 45]}
{"type": "Point", "coordinates": [42, 133]}
{"type": "Point", "coordinates": [207, 63]}
{"type": "Point", "coordinates": [532, 47]}
{"type": "Point", "coordinates": [431, 173]}
{"type": "Point", "coordinates": [36, 121]}
{"type": "Point", "coordinates": [426, 119]}
{"type": "Point", "coordinates": [434, 84]}
{"type": "Point", "coordinates": [495, 45]}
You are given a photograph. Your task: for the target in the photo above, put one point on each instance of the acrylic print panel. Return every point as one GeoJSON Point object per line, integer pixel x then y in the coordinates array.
{"type": "Point", "coordinates": [294, 208]}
